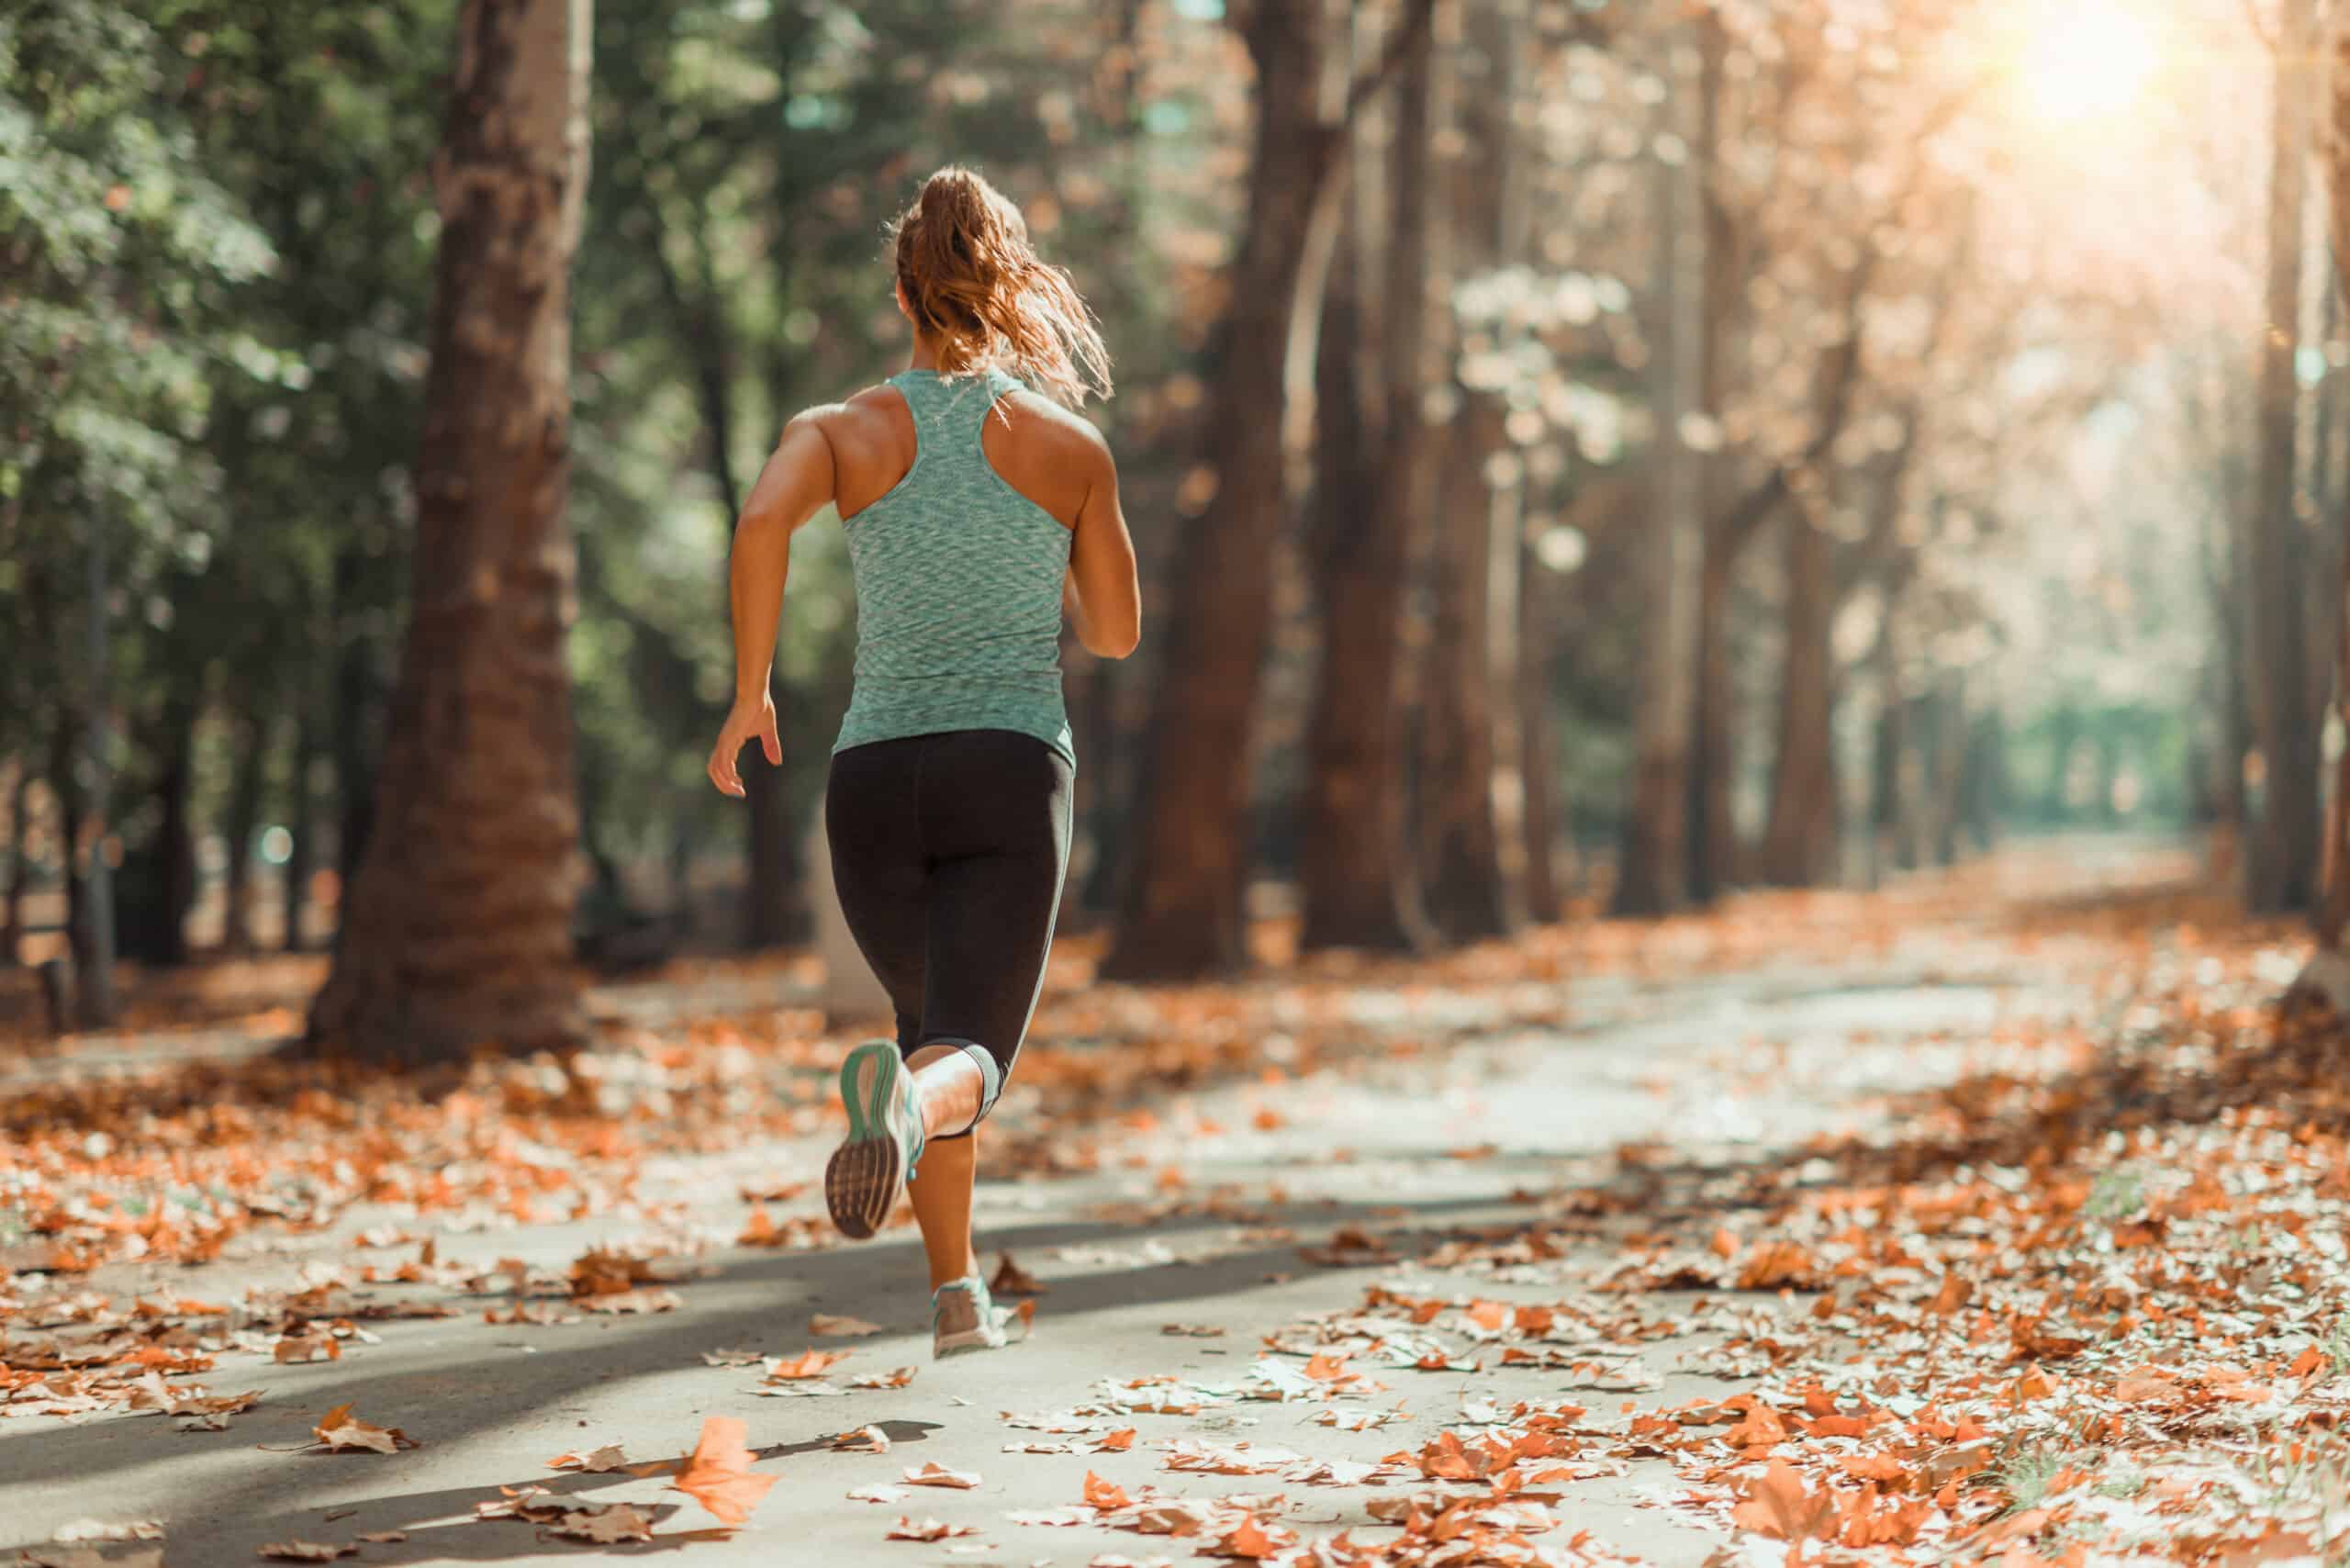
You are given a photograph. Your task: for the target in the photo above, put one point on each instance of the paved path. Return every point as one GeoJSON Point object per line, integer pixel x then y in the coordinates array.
{"type": "Point", "coordinates": [1415, 1150]}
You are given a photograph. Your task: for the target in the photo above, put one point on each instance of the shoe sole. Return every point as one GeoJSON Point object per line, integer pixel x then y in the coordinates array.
{"type": "Point", "coordinates": [866, 1174]}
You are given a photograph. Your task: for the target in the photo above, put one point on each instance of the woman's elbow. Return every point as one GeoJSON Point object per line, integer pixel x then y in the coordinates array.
{"type": "Point", "coordinates": [1114, 642]}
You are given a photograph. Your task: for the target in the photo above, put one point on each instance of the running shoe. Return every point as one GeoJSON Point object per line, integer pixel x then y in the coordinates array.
{"type": "Point", "coordinates": [964, 1318]}
{"type": "Point", "coordinates": [874, 1163]}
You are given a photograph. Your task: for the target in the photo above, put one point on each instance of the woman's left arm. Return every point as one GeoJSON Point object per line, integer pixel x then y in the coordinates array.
{"type": "Point", "coordinates": [797, 481]}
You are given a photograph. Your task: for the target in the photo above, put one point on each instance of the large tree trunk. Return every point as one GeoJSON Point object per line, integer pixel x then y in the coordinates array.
{"type": "Point", "coordinates": [2284, 862]}
{"type": "Point", "coordinates": [2327, 978]}
{"type": "Point", "coordinates": [1713, 759]}
{"type": "Point", "coordinates": [158, 883]}
{"type": "Point", "coordinates": [1470, 805]}
{"type": "Point", "coordinates": [1358, 883]}
{"type": "Point", "coordinates": [1544, 814]}
{"type": "Point", "coordinates": [1653, 876]}
{"type": "Point", "coordinates": [1468, 893]}
{"type": "Point", "coordinates": [301, 820]}
{"type": "Point", "coordinates": [457, 928]}
{"type": "Point", "coordinates": [1181, 915]}
{"type": "Point", "coordinates": [1799, 845]}
{"type": "Point", "coordinates": [241, 820]}
{"type": "Point", "coordinates": [12, 903]}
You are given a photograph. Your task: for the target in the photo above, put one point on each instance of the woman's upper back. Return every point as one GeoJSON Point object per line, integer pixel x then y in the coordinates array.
{"type": "Point", "coordinates": [958, 494]}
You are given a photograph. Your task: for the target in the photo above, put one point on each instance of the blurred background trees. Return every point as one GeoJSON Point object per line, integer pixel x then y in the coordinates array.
{"type": "Point", "coordinates": [1585, 456]}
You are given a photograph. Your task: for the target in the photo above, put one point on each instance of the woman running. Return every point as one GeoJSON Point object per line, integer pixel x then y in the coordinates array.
{"type": "Point", "coordinates": [978, 513]}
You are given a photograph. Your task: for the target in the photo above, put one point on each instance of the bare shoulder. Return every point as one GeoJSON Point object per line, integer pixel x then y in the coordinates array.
{"type": "Point", "coordinates": [1062, 433]}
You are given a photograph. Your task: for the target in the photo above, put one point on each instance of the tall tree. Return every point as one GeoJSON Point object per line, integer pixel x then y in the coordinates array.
{"type": "Point", "coordinates": [456, 932]}
{"type": "Point", "coordinates": [1358, 885]}
{"type": "Point", "coordinates": [1181, 914]}
{"type": "Point", "coordinates": [1652, 876]}
{"type": "Point", "coordinates": [2327, 976]}
{"type": "Point", "coordinates": [1468, 734]}
{"type": "Point", "coordinates": [2283, 866]}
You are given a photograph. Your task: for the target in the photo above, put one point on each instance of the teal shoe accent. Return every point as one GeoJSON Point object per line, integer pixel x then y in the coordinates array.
{"type": "Point", "coordinates": [885, 1139]}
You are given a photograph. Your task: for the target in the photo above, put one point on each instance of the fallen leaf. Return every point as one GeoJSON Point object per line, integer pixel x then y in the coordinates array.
{"type": "Point", "coordinates": [606, 1526]}
{"type": "Point", "coordinates": [896, 1377]}
{"type": "Point", "coordinates": [339, 1431]}
{"type": "Point", "coordinates": [882, 1494]}
{"type": "Point", "coordinates": [808, 1363]}
{"type": "Point", "coordinates": [1778, 1506]}
{"type": "Point", "coordinates": [936, 1474]}
{"type": "Point", "coordinates": [718, 1473]}
{"type": "Point", "coordinates": [1011, 1279]}
{"type": "Point", "coordinates": [307, 1551]}
{"type": "Point", "coordinates": [826, 1326]}
{"type": "Point", "coordinates": [1105, 1495]}
{"type": "Point", "coordinates": [608, 1457]}
{"type": "Point", "coordinates": [928, 1529]}
{"type": "Point", "coordinates": [865, 1439]}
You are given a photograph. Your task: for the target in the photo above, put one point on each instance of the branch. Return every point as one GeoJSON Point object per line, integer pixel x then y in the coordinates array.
{"type": "Point", "coordinates": [1419, 16]}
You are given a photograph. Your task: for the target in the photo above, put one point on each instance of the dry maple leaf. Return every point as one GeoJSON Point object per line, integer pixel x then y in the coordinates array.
{"type": "Point", "coordinates": [928, 1529]}
{"type": "Point", "coordinates": [879, 1493]}
{"type": "Point", "coordinates": [1103, 1495]}
{"type": "Point", "coordinates": [936, 1474]}
{"type": "Point", "coordinates": [307, 1551]}
{"type": "Point", "coordinates": [606, 1526]}
{"type": "Point", "coordinates": [1778, 1506]}
{"type": "Point", "coordinates": [865, 1439]}
{"type": "Point", "coordinates": [608, 1457]}
{"type": "Point", "coordinates": [823, 1325]}
{"type": "Point", "coordinates": [717, 1475]}
{"type": "Point", "coordinates": [1011, 1279]}
{"type": "Point", "coordinates": [896, 1377]}
{"type": "Point", "coordinates": [1118, 1441]}
{"type": "Point", "coordinates": [339, 1431]}
{"type": "Point", "coordinates": [808, 1363]}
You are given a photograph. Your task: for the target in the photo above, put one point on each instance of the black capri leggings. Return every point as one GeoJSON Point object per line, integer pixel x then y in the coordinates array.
{"type": "Point", "coordinates": [948, 853]}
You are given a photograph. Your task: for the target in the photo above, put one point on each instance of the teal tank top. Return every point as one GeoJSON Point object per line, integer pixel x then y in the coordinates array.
{"type": "Point", "coordinates": [958, 585]}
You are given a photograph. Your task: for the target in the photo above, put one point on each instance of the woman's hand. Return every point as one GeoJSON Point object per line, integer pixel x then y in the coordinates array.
{"type": "Point", "coordinates": [753, 718]}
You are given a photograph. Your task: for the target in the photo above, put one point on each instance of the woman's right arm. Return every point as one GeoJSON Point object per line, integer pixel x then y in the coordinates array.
{"type": "Point", "coordinates": [1103, 597]}
{"type": "Point", "coordinates": [796, 482]}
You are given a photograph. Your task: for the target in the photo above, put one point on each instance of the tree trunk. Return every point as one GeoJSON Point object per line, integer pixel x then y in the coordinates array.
{"type": "Point", "coordinates": [301, 820]}
{"type": "Point", "coordinates": [457, 928]}
{"type": "Point", "coordinates": [1182, 916]}
{"type": "Point", "coordinates": [1469, 895]}
{"type": "Point", "coordinates": [12, 903]}
{"type": "Point", "coordinates": [2284, 862]}
{"type": "Point", "coordinates": [1356, 881]}
{"type": "Point", "coordinates": [1799, 845]}
{"type": "Point", "coordinates": [1653, 876]}
{"type": "Point", "coordinates": [158, 885]}
{"type": "Point", "coordinates": [249, 771]}
{"type": "Point", "coordinates": [356, 700]}
{"type": "Point", "coordinates": [1544, 814]}
{"type": "Point", "coordinates": [1884, 771]}
{"type": "Point", "coordinates": [94, 911]}
{"type": "Point", "coordinates": [2327, 977]}
{"type": "Point", "coordinates": [1713, 761]}
{"type": "Point", "coordinates": [1471, 797]}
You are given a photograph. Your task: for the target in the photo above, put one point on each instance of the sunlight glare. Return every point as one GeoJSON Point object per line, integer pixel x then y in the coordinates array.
{"type": "Point", "coordinates": [2088, 59]}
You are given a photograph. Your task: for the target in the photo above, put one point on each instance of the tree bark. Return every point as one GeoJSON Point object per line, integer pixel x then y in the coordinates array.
{"type": "Point", "coordinates": [457, 927]}
{"type": "Point", "coordinates": [1713, 759]}
{"type": "Point", "coordinates": [159, 883]}
{"type": "Point", "coordinates": [1468, 894]}
{"type": "Point", "coordinates": [2327, 977]}
{"type": "Point", "coordinates": [1652, 876]}
{"type": "Point", "coordinates": [1356, 881]}
{"type": "Point", "coordinates": [1544, 811]}
{"type": "Point", "coordinates": [301, 820]}
{"type": "Point", "coordinates": [1799, 845]}
{"type": "Point", "coordinates": [1472, 795]}
{"type": "Point", "coordinates": [2284, 862]}
{"type": "Point", "coordinates": [1182, 916]}
{"type": "Point", "coordinates": [12, 903]}
{"type": "Point", "coordinates": [248, 772]}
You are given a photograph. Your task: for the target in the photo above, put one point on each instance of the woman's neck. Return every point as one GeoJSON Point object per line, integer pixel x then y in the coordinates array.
{"type": "Point", "coordinates": [925, 354]}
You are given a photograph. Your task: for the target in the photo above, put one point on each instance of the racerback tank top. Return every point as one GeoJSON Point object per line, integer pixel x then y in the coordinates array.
{"type": "Point", "coordinates": [958, 585]}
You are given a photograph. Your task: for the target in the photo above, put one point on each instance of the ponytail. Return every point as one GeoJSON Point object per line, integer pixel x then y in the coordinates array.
{"type": "Point", "coordinates": [975, 287]}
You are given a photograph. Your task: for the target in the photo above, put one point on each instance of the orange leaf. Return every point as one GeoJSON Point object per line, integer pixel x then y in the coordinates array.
{"type": "Point", "coordinates": [1103, 1495]}
{"type": "Point", "coordinates": [718, 1473]}
{"type": "Point", "coordinates": [1011, 1279]}
{"type": "Point", "coordinates": [808, 1363]}
{"type": "Point", "coordinates": [1778, 1506]}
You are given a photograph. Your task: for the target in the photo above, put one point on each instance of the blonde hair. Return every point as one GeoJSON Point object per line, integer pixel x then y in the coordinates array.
{"type": "Point", "coordinates": [975, 286]}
